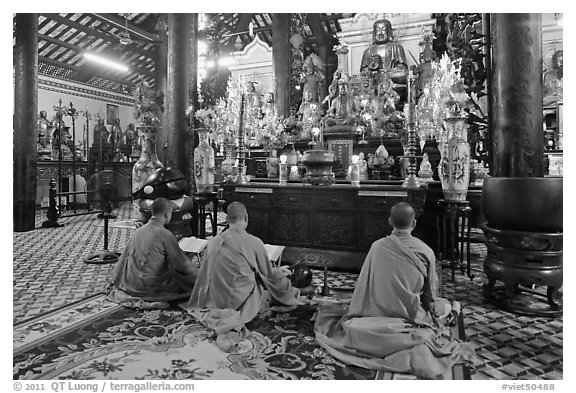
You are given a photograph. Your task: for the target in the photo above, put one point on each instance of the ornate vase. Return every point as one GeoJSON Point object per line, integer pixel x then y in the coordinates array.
{"type": "Point", "coordinates": [272, 166]}
{"type": "Point", "coordinates": [454, 167]}
{"type": "Point", "coordinates": [148, 161]}
{"type": "Point", "coordinates": [228, 163]}
{"type": "Point", "coordinates": [204, 163]}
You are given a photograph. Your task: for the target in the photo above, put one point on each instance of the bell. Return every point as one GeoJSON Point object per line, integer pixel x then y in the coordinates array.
{"type": "Point", "coordinates": [301, 276]}
{"type": "Point", "coordinates": [165, 182]}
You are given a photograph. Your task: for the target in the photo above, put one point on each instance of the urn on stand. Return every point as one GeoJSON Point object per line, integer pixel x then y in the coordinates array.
{"type": "Point", "coordinates": [204, 163]}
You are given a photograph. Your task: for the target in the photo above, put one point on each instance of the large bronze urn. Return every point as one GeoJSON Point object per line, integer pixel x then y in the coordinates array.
{"type": "Point", "coordinates": [524, 242]}
{"type": "Point", "coordinates": [318, 164]}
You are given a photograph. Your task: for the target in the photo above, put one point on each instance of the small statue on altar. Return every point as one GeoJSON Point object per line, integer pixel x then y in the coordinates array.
{"type": "Point", "coordinates": [553, 80]}
{"type": "Point", "coordinates": [391, 53]}
{"type": "Point", "coordinates": [44, 132]}
{"type": "Point", "coordinates": [425, 173]}
{"type": "Point", "coordinates": [100, 131]}
{"type": "Point", "coordinates": [252, 101]}
{"type": "Point", "coordinates": [309, 115]}
{"type": "Point", "coordinates": [252, 112]}
{"type": "Point", "coordinates": [332, 89]}
{"type": "Point", "coordinates": [61, 139]}
{"type": "Point", "coordinates": [269, 110]}
{"type": "Point", "coordinates": [385, 114]}
{"type": "Point", "coordinates": [313, 77]}
{"type": "Point", "coordinates": [116, 136]}
{"type": "Point", "coordinates": [343, 108]}
{"type": "Point", "coordinates": [131, 136]}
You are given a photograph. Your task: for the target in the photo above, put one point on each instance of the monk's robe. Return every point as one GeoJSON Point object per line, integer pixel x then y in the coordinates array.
{"type": "Point", "coordinates": [234, 282]}
{"type": "Point", "coordinates": [152, 268]}
{"type": "Point", "coordinates": [386, 326]}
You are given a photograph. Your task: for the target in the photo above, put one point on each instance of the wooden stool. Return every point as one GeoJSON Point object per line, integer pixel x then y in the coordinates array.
{"type": "Point", "coordinates": [201, 214]}
{"type": "Point", "coordinates": [453, 228]}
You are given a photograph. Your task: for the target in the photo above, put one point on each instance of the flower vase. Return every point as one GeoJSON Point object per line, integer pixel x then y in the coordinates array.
{"type": "Point", "coordinates": [454, 167]}
{"type": "Point", "coordinates": [272, 166]}
{"type": "Point", "coordinates": [228, 163]}
{"type": "Point", "coordinates": [148, 161]}
{"type": "Point", "coordinates": [204, 163]}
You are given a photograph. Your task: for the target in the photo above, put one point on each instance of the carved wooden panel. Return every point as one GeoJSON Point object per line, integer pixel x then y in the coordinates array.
{"type": "Point", "coordinates": [259, 224]}
{"type": "Point", "coordinates": [292, 199]}
{"type": "Point", "coordinates": [334, 229]}
{"type": "Point", "coordinates": [372, 228]}
{"type": "Point", "coordinates": [334, 199]}
{"type": "Point", "coordinates": [292, 226]}
{"type": "Point", "coordinates": [254, 198]}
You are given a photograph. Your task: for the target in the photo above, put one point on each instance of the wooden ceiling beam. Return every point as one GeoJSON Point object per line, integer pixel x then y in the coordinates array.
{"type": "Point", "coordinates": [111, 38]}
{"type": "Point", "coordinates": [241, 26]}
{"type": "Point", "coordinates": [122, 24]}
{"type": "Point", "coordinates": [77, 69]}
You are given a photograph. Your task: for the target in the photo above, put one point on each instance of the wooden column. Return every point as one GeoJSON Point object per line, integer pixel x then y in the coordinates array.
{"type": "Point", "coordinates": [192, 136]}
{"type": "Point", "coordinates": [25, 121]}
{"type": "Point", "coordinates": [160, 75]}
{"type": "Point", "coordinates": [516, 43]}
{"type": "Point", "coordinates": [177, 90]}
{"type": "Point", "coordinates": [281, 57]}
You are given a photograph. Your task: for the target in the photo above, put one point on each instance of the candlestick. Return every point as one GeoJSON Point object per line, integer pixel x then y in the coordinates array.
{"type": "Point", "coordinates": [411, 181]}
{"type": "Point", "coordinates": [241, 147]}
{"type": "Point", "coordinates": [355, 172]}
{"type": "Point", "coordinates": [283, 170]}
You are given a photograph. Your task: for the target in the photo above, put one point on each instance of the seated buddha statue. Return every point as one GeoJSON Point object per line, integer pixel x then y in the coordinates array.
{"type": "Point", "coordinates": [342, 111]}
{"type": "Point", "coordinates": [392, 55]}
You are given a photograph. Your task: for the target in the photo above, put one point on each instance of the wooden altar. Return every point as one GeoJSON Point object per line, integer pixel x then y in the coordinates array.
{"type": "Point", "coordinates": [338, 223]}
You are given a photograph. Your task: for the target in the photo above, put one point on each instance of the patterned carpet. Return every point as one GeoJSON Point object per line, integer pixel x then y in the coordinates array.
{"type": "Point", "coordinates": [49, 273]}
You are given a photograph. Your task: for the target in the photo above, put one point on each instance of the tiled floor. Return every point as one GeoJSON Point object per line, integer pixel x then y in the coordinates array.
{"type": "Point", "coordinates": [49, 272]}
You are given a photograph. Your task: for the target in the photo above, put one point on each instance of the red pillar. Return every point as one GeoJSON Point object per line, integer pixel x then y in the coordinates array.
{"type": "Point", "coordinates": [25, 121]}
{"type": "Point", "coordinates": [516, 105]}
{"type": "Point", "coordinates": [177, 91]}
{"type": "Point", "coordinates": [281, 57]}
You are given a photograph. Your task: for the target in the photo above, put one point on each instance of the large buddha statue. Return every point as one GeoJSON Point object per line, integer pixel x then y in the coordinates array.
{"type": "Point", "coordinates": [391, 53]}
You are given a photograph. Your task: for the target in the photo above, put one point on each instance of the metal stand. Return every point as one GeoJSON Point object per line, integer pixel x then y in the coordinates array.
{"type": "Point", "coordinates": [104, 256]}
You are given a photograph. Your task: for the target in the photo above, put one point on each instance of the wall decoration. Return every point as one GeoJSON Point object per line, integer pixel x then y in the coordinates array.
{"type": "Point", "coordinates": [111, 113]}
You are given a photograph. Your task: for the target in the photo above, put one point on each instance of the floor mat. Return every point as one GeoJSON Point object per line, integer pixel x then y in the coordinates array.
{"type": "Point", "coordinates": [96, 339]}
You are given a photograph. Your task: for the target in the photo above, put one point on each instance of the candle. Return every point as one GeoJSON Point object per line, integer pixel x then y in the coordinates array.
{"type": "Point", "coordinates": [283, 170]}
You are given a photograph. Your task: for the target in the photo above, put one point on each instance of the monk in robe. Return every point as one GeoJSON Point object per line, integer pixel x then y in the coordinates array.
{"type": "Point", "coordinates": [236, 281]}
{"type": "Point", "coordinates": [152, 270]}
{"type": "Point", "coordinates": [395, 322]}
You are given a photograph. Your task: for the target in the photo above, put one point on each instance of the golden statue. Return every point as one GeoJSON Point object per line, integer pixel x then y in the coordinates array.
{"type": "Point", "coordinates": [393, 59]}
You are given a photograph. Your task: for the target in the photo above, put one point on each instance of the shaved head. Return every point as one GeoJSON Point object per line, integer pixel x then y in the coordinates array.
{"type": "Point", "coordinates": [235, 212]}
{"type": "Point", "coordinates": [161, 206]}
{"type": "Point", "coordinates": [402, 215]}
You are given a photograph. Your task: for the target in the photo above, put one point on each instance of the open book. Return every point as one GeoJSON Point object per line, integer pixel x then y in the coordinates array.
{"type": "Point", "coordinates": [192, 244]}
{"type": "Point", "coordinates": [274, 252]}
{"type": "Point", "coordinates": [195, 246]}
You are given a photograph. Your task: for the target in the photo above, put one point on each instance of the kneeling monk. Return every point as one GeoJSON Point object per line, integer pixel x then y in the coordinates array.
{"type": "Point", "coordinates": [394, 322]}
{"type": "Point", "coordinates": [235, 281]}
{"type": "Point", "coordinates": [152, 270]}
